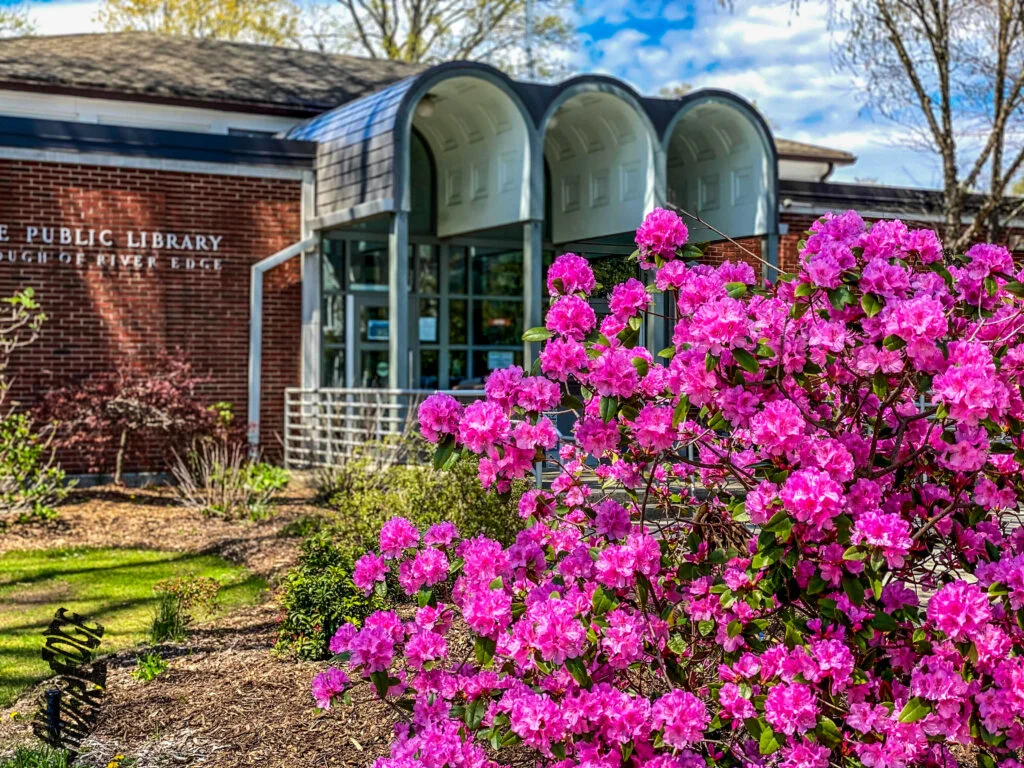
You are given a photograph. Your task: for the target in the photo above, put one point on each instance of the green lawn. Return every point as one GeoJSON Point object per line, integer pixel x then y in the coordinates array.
{"type": "Point", "coordinates": [111, 586]}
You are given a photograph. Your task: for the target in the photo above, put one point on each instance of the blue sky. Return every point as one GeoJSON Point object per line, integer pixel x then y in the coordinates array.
{"type": "Point", "coordinates": [763, 50]}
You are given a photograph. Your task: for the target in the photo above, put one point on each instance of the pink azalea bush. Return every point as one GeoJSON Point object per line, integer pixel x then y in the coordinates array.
{"type": "Point", "coordinates": [803, 548]}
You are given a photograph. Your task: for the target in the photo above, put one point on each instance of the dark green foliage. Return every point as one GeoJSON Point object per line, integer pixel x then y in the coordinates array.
{"type": "Point", "coordinates": [149, 666]}
{"type": "Point", "coordinates": [319, 596]}
{"type": "Point", "coordinates": [43, 757]}
{"type": "Point", "coordinates": [319, 593]}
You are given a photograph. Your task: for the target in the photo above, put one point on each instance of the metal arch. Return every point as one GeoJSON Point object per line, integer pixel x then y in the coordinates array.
{"type": "Point", "coordinates": [420, 87]}
{"type": "Point", "coordinates": [720, 96]}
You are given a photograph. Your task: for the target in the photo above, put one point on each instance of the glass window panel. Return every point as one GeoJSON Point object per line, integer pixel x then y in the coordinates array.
{"type": "Point", "coordinates": [430, 316]}
{"type": "Point", "coordinates": [497, 322]}
{"type": "Point", "coordinates": [368, 265]}
{"type": "Point", "coordinates": [334, 265]}
{"type": "Point", "coordinates": [457, 282]}
{"type": "Point", "coordinates": [334, 367]}
{"type": "Point", "coordinates": [334, 319]}
{"type": "Point", "coordinates": [487, 360]}
{"type": "Point", "coordinates": [430, 369]}
{"type": "Point", "coordinates": [429, 268]}
{"type": "Point", "coordinates": [457, 322]}
{"type": "Point", "coordinates": [373, 323]}
{"type": "Point", "coordinates": [373, 368]}
{"type": "Point", "coordinates": [497, 273]}
{"type": "Point", "coordinates": [458, 368]}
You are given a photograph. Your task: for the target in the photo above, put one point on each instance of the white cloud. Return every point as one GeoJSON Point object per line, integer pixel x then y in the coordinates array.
{"type": "Point", "coordinates": [60, 17]}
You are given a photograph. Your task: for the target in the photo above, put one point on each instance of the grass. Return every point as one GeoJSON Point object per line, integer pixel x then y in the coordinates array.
{"type": "Point", "coordinates": [111, 586]}
{"type": "Point", "coordinates": [43, 757]}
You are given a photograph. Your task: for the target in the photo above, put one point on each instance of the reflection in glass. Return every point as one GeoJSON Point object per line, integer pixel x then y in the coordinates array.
{"type": "Point", "coordinates": [487, 360]}
{"type": "Point", "coordinates": [334, 265]}
{"type": "Point", "coordinates": [334, 319]}
{"type": "Point", "coordinates": [497, 322]}
{"type": "Point", "coordinates": [458, 369]}
{"type": "Point", "coordinates": [373, 368]}
{"type": "Point", "coordinates": [430, 369]}
{"type": "Point", "coordinates": [497, 272]}
{"type": "Point", "coordinates": [428, 269]}
{"type": "Point", "coordinates": [457, 282]}
{"type": "Point", "coordinates": [334, 367]}
{"type": "Point", "coordinates": [457, 322]}
{"type": "Point", "coordinates": [368, 266]}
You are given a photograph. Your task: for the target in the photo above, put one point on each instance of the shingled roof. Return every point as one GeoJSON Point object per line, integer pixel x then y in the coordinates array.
{"type": "Point", "coordinates": [184, 70]}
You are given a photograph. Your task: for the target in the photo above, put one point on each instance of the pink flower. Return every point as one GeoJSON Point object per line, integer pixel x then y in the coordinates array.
{"type": "Point", "coordinates": [653, 428]}
{"type": "Point", "coordinates": [612, 374]}
{"type": "Point", "coordinates": [423, 648]}
{"type": "Point", "coordinates": [779, 428]}
{"type": "Point", "coordinates": [538, 394]}
{"type": "Point", "coordinates": [570, 274]}
{"type": "Point", "coordinates": [342, 638]}
{"type": "Point", "coordinates": [502, 386]}
{"type": "Point", "coordinates": [369, 569]}
{"type": "Point", "coordinates": [628, 299]}
{"type": "Point", "coordinates": [612, 519]}
{"type": "Point", "coordinates": [372, 649]}
{"type": "Point", "coordinates": [428, 568]}
{"type": "Point", "coordinates": [561, 358]}
{"type": "Point", "coordinates": [682, 716]}
{"type": "Point", "coordinates": [791, 709]}
{"type": "Point", "coordinates": [812, 497]}
{"type": "Point", "coordinates": [483, 424]}
{"type": "Point", "coordinates": [443, 533]}
{"type": "Point", "coordinates": [439, 415]}
{"type": "Point", "coordinates": [889, 533]}
{"type": "Point", "coordinates": [660, 236]}
{"type": "Point", "coordinates": [327, 685]}
{"type": "Point", "coordinates": [960, 610]}
{"type": "Point", "coordinates": [396, 535]}
{"type": "Point", "coordinates": [597, 436]}
{"type": "Point", "coordinates": [571, 317]}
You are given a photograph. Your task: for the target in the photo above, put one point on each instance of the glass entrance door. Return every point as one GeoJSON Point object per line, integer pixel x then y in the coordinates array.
{"type": "Point", "coordinates": [370, 345]}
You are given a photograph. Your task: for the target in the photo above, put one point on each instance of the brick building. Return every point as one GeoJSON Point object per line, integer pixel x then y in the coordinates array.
{"type": "Point", "coordinates": [284, 218]}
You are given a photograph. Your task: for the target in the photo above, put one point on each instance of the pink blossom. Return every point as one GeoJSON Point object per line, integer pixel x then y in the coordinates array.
{"type": "Point", "coordinates": [570, 273]}
{"type": "Point", "coordinates": [502, 386]}
{"type": "Point", "coordinates": [653, 428]}
{"type": "Point", "coordinates": [571, 317]}
{"type": "Point", "coordinates": [483, 424]}
{"type": "Point", "coordinates": [612, 374]}
{"type": "Point", "coordinates": [812, 497]}
{"type": "Point", "coordinates": [372, 649]}
{"type": "Point", "coordinates": [628, 299]}
{"type": "Point", "coordinates": [398, 534]}
{"type": "Point", "coordinates": [561, 358]}
{"type": "Point", "coordinates": [612, 519]}
{"type": "Point", "coordinates": [538, 394]}
{"type": "Point", "coordinates": [779, 427]}
{"type": "Point", "coordinates": [327, 685]}
{"type": "Point", "coordinates": [791, 709]}
{"type": "Point", "coordinates": [888, 533]}
{"type": "Point", "coordinates": [682, 716]}
{"type": "Point", "coordinates": [368, 570]}
{"type": "Point", "coordinates": [660, 236]}
{"type": "Point", "coordinates": [438, 416]}
{"type": "Point", "coordinates": [960, 610]}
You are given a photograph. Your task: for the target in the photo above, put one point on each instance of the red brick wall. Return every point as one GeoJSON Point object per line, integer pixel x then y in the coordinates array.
{"type": "Point", "coordinates": [101, 314]}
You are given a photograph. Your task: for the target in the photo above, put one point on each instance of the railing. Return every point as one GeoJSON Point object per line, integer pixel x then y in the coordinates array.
{"type": "Point", "coordinates": [324, 427]}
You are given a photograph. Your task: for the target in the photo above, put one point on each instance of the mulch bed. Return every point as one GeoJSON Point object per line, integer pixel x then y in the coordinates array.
{"type": "Point", "coordinates": [228, 699]}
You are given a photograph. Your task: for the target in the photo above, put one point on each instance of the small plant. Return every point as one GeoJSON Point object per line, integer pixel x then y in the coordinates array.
{"type": "Point", "coordinates": [149, 666]}
{"type": "Point", "coordinates": [178, 597]}
{"type": "Point", "coordinates": [217, 477]}
{"type": "Point", "coordinates": [41, 757]}
{"type": "Point", "coordinates": [30, 482]}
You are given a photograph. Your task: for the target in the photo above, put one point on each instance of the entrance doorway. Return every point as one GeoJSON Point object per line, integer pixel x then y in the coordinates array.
{"type": "Point", "coordinates": [371, 330]}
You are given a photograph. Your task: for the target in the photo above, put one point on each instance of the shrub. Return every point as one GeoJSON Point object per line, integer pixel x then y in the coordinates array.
{"type": "Point", "coordinates": [110, 414]}
{"type": "Point", "coordinates": [30, 482]}
{"type": "Point", "coordinates": [149, 666]}
{"type": "Point", "coordinates": [178, 597]}
{"type": "Point", "coordinates": [216, 477]}
{"type": "Point", "coordinates": [804, 549]}
{"type": "Point", "coordinates": [319, 597]}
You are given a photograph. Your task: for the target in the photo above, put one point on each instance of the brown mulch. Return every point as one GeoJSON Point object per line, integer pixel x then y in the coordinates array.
{"type": "Point", "coordinates": [152, 518]}
{"type": "Point", "coordinates": [228, 699]}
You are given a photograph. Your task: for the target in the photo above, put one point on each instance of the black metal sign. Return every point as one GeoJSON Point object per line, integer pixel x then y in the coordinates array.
{"type": "Point", "coordinates": [69, 710]}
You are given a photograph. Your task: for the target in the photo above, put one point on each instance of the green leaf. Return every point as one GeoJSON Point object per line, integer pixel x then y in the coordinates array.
{"type": "Point", "coordinates": [635, 322]}
{"type": "Point", "coordinates": [578, 670]}
{"type": "Point", "coordinates": [804, 289]}
{"type": "Point", "coordinates": [883, 622]}
{"type": "Point", "coordinates": [540, 333]}
{"type": "Point", "coordinates": [854, 589]}
{"type": "Point", "coordinates": [681, 410]}
{"type": "Point", "coordinates": [746, 360]}
{"type": "Point", "coordinates": [571, 402]}
{"type": "Point", "coordinates": [855, 553]}
{"type": "Point", "coordinates": [667, 353]}
{"type": "Point", "coordinates": [1014, 287]}
{"type": "Point", "coordinates": [769, 742]}
{"type": "Point", "coordinates": [678, 645]}
{"type": "Point", "coordinates": [880, 385]}
{"type": "Point", "coordinates": [641, 365]}
{"type": "Point", "coordinates": [736, 290]}
{"type": "Point", "coordinates": [602, 602]}
{"type": "Point", "coordinates": [380, 682]}
{"type": "Point", "coordinates": [871, 304]}
{"type": "Point", "coordinates": [444, 451]}
{"type": "Point", "coordinates": [914, 710]}
{"type": "Point", "coordinates": [474, 714]}
{"type": "Point", "coordinates": [991, 286]}
{"type": "Point", "coordinates": [483, 649]}
{"type": "Point", "coordinates": [840, 297]}
{"type": "Point", "coordinates": [609, 408]}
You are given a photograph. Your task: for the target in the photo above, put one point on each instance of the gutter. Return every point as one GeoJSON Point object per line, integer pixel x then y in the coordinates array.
{"type": "Point", "coordinates": [256, 329]}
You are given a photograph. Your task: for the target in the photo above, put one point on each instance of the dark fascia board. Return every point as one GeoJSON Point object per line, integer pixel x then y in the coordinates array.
{"type": "Point", "coordinates": [222, 105]}
{"type": "Point", "coordinates": [854, 195]}
{"type": "Point", "coordinates": [30, 133]}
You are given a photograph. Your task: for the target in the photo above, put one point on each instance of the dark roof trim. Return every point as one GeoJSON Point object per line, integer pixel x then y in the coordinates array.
{"type": "Point", "coordinates": [221, 105]}
{"type": "Point", "coordinates": [29, 133]}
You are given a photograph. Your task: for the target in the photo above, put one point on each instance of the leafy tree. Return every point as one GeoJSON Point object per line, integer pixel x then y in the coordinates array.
{"type": "Point", "coordinates": [952, 71]}
{"type": "Point", "coordinates": [15, 21]}
{"type": "Point", "coordinates": [116, 412]}
{"type": "Point", "coordinates": [432, 31]}
{"type": "Point", "coordinates": [273, 22]}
